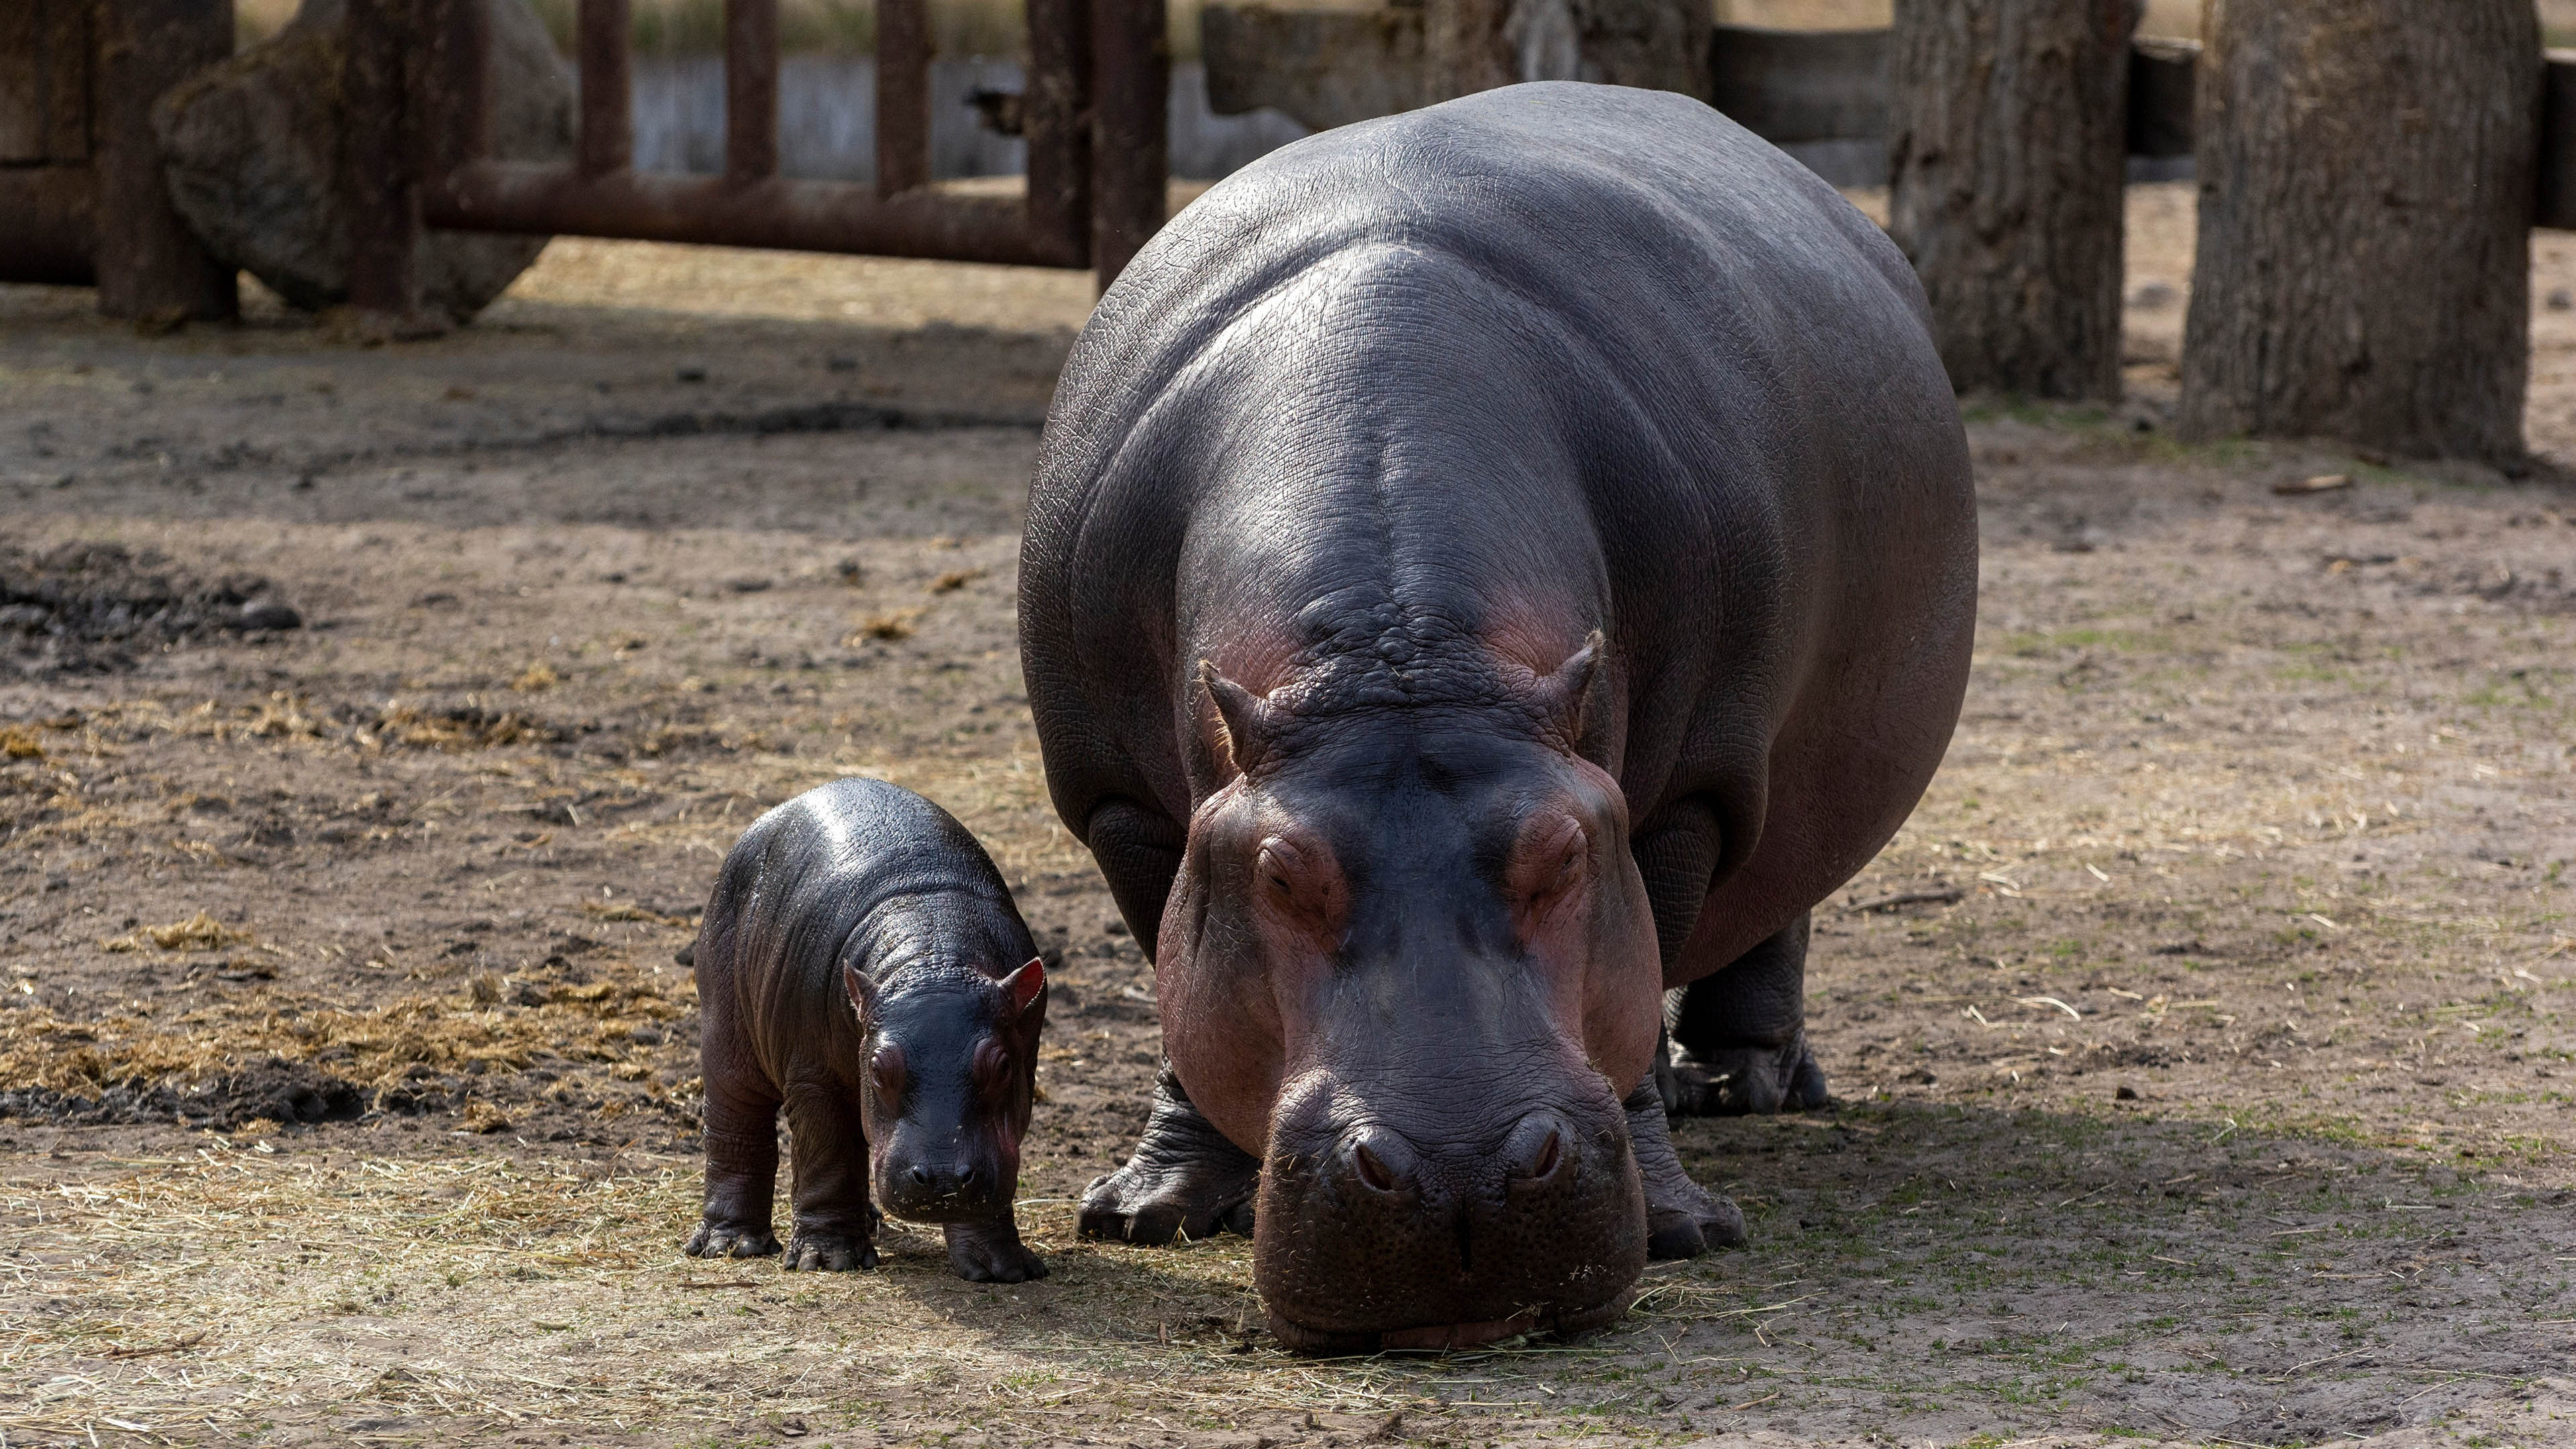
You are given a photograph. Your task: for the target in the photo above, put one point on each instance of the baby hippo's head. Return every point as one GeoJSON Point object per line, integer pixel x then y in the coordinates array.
{"type": "Point", "coordinates": [949, 1069]}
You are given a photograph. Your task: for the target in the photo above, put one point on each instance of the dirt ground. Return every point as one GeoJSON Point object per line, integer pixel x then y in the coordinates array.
{"type": "Point", "coordinates": [2212, 1085]}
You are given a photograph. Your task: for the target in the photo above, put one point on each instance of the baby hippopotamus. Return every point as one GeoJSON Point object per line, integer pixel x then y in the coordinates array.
{"type": "Point", "coordinates": [863, 965]}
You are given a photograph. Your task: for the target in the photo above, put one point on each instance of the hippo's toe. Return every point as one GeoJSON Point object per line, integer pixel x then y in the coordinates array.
{"type": "Point", "coordinates": [1745, 1081]}
{"type": "Point", "coordinates": [1185, 1179]}
{"type": "Point", "coordinates": [731, 1240]}
{"type": "Point", "coordinates": [820, 1252]}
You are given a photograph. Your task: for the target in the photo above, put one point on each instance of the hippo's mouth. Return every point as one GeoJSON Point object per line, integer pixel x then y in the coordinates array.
{"type": "Point", "coordinates": [1445, 1337]}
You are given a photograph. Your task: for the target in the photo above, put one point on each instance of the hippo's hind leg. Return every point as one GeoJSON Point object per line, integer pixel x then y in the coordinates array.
{"type": "Point", "coordinates": [1185, 1178]}
{"type": "Point", "coordinates": [1739, 1035]}
{"type": "Point", "coordinates": [834, 1230]}
{"type": "Point", "coordinates": [742, 1173]}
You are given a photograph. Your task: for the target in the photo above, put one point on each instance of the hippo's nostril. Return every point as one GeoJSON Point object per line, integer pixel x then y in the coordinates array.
{"type": "Point", "coordinates": [1537, 1145]}
{"type": "Point", "coordinates": [921, 1174]}
{"type": "Point", "coordinates": [1373, 1172]}
{"type": "Point", "coordinates": [966, 1179]}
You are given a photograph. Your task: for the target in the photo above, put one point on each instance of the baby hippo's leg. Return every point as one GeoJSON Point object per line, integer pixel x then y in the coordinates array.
{"type": "Point", "coordinates": [991, 1252]}
{"type": "Point", "coordinates": [742, 1173]}
{"type": "Point", "coordinates": [834, 1229]}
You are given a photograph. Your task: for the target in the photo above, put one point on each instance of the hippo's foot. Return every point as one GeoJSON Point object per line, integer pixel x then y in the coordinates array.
{"type": "Point", "coordinates": [731, 1240]}
{"type": "Point", "coordinates": [1738, 1081]}
{"type": "Point", "coordinates": [817, 1251]}
{"type": "Point", "coordinates": [1683, 1219]}
{"type": "Point", "coordinates": [991, 1253]}
{"type": "Point", "coordinates": [1185, 1179]}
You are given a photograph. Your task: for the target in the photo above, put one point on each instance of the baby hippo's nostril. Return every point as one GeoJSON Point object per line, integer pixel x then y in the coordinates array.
{"type": "Point", "coordinates": [1535, 1147]}
{"type": "Point", "coordinates": [1381, 1160]}
{"type": "Point", "coordinates": [921, 1174]}
{"type": "Point", "coordinates": [966, 1179]}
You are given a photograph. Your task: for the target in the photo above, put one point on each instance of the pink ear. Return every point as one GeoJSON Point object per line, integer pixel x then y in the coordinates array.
{"type": "Point", "coordinates": [863, 992]}
{"type": "Point", "coordinates": [1023, 987]}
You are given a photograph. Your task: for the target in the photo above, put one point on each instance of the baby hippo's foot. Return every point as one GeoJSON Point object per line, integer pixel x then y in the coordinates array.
{"type": "Point", "coordinates": [1738, 1081]}
{"type": "Point", "coordinates": [818, 1250]}
{"type": "Point", "coordinates": [1683, 1219]}
{"type": "Point", "coordinates": [991, 1253]}
{"type": "Point", "coordinates": [1185, 1179]}
{"type": "Point", "coordinates": [731, 1240]}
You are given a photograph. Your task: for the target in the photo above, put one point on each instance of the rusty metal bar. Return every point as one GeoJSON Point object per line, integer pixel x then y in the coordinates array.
{"type": "Point", "coordinates": [812, 216]}
{"type": "Point", "coordinates": [1055, 116]}
{"type": "Point", "coordinates": [380, 159]}
{"type": "Point", "coordinates": [607, 87]}
{"type": "Point", "coordinates": [1131, 64]}
{"type": "Point", "coordinates": [149, 264]}
{"type": "Point", "coordinates": [47, 228]}
{"type": "Point", "coordinates": [455, 124]}
{"type": "Point", "coordinates": [903, 96]}
{"type": "Point", "coordinates": [751, 89]}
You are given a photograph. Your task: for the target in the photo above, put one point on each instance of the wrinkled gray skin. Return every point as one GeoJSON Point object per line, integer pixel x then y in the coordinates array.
{"type": "Point", "coordinates": [1488, 568]}
{"type": "Point", "coordinates": [863, 892]}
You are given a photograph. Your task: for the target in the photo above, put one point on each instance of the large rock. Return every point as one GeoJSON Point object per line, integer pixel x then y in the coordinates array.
{"type": "Point", "coordinates": [252, 149]}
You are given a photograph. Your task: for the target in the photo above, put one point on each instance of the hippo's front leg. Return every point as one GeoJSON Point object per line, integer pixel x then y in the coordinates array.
{"type": "Point", "coordinates": [1185, 1178]}
{"type": "Point", "coordinates": [1740, 1035]}
{"type": "Point", "coordinates": [834, 1226]}
{"type": "Point", "coordinates": [1683, 1219]}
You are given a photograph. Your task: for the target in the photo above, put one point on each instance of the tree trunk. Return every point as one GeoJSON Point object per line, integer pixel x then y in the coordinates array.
{"type": "Point", "coordinates": [2366, 184]}
{"type": "Point", "coordinates": [2007, 151]}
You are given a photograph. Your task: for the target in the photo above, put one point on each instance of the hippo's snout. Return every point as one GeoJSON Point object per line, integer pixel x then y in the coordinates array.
{"type": "Point", "coordinates": [941, 1187]}
{"type": "Point", "coordinates": [1368, 1235]}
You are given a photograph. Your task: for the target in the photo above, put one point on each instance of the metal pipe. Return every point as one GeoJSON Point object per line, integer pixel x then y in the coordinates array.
{"type": "Point", "coordinates": [812, 216]}
{"type": "Point", "coordinates": [751, 89]}
{"type": "Point", "coordinates": [1131, 81]}
{"type": "Point", "coordinates": [607, 87]}
{"type": "Point", "coordinates": [903, 96]}
{"type": "Point", "coordinates": [1055, 116]}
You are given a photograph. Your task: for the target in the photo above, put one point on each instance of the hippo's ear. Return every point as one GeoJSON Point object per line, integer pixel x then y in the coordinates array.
{"type": "Point", "coordinates": [1246, 716]}
{"type": "Point", "coordinates": [863, 992]}
{"type": "Point", "coordinates": [1025, 987]}
{"type": "Point", "coordinates": [1562, 694]}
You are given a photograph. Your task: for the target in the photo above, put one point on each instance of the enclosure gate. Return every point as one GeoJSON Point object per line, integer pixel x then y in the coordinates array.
{"type": "Point", "coordinates": [1092, 110]}
{"type": "Point", "coordinates": [82, 198]}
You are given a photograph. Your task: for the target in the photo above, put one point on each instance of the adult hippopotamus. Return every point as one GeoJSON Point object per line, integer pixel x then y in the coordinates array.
{"type": "Point", "coordinates": [1487, 567]}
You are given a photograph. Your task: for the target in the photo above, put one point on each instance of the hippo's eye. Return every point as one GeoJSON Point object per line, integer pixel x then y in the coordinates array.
{"type": "Point", "coordinates": [886, 1073]}
{"type": "Point", "coordinates": [1548, 867]}
{"type": "Point", "coordinates": [1280, 865]}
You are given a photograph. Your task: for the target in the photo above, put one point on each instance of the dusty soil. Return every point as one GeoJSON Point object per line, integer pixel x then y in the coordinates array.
{"type": "Point", "coordinates": [2212, 1085]}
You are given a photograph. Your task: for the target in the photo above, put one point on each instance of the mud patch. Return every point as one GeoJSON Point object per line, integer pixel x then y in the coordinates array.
{"type": "Point", "coordinates": [96, 608]}
{"type": "Point", "coordinates": [269, 1091]}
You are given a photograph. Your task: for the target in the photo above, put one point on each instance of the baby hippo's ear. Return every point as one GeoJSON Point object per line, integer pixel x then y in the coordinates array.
{"type": "Point", "coordinates": [863, 992]}
{"type": "Point", "coordinates": [1025, 987]}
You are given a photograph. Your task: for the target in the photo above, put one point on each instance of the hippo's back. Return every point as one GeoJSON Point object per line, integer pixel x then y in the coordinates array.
{"type": "Point", "coordinates": [1583, 355]}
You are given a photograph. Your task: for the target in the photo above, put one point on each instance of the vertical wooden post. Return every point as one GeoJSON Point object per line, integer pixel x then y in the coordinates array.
{"type": "Point", "coordinates": [607, 87]}
{"type": "Point", "coordinates": [903, 95]}
{"type": "Point", "coordinates": [1131, 82]}
{"type": "Point", "coordinates": [381, 160]}
{"type": "Point", "coordinates": [150, 266]}
{"type": "Point", "coordinates": [751, 89]}
{"type": "Point", "coordinates": [1055, 116]}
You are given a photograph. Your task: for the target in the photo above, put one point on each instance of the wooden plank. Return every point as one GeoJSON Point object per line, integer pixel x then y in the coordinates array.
{"type": "Point", "coordinates": [1800, 85]}
{"type": "Point", "coordinates": [22, 85]}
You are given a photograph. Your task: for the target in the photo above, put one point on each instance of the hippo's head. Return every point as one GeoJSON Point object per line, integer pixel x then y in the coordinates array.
{"type": "Point", "coordinates": [951, 1066]}
{"type": "Point", "coordinates": [1410, 962]}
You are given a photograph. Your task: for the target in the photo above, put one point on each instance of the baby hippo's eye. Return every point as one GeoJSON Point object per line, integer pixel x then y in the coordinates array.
{"type": "Point", "coordinates": [993, 1070]}
{"type": "Point", "coordinates": [886, 1073]}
